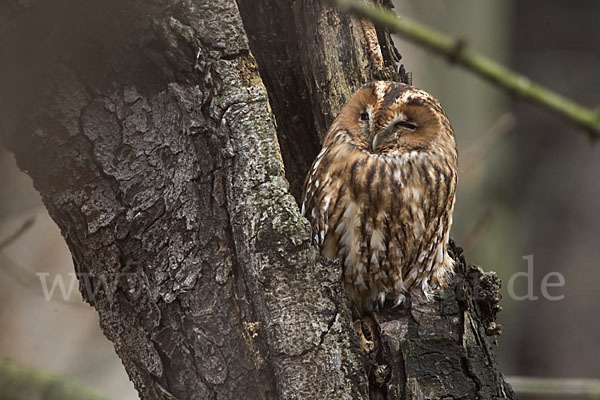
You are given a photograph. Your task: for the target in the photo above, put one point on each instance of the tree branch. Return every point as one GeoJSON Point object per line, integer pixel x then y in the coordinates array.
{"type": "Point", "coordinates": [455, 51]}
{"type": "Point", "coordinates": [17, 234]}
{"type": "Point", "coordinates": [589, 388]}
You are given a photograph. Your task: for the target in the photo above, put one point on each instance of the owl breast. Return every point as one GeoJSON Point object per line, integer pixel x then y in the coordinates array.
{"type": "Point", "coordinates": [386, 218]}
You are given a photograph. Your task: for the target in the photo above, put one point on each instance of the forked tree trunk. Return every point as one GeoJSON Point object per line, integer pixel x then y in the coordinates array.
{"type": "Point", "coordinates": [151, 136]}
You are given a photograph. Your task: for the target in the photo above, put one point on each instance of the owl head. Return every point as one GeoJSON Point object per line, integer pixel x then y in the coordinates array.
{"type": "Point", "coordinates": [389, 117]}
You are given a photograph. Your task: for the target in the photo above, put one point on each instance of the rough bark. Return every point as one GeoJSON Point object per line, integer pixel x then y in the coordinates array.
{"type": "Point", "coordinates": [147, 129]}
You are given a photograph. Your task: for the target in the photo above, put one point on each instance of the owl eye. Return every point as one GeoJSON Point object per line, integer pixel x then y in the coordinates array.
{"type": "Point", "coordinates": [406, 125]}
{"type": "Point", "coordinates": [364, 116]}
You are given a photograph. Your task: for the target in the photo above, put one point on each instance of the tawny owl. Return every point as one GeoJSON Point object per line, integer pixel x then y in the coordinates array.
{"type": "Point", "coordinates": [380, 194]}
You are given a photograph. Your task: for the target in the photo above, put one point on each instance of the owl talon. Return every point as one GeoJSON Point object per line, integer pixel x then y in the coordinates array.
{"type": "Point", "coordinates": [381, 299]}
{"type": "Point", "coordinates": [399, 301]}
{"type": "Point", "coordinates": [429, 295]}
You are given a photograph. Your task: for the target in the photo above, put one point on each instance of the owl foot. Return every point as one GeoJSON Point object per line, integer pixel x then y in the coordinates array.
{"type": "Point", "coordinates": [399, 300]}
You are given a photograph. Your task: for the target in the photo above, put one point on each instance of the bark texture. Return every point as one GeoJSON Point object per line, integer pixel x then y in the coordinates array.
{"type": "Point", "coordinates": [148, 131]}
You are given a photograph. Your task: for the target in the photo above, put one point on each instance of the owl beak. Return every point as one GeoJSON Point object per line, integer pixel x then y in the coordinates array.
{"type": "Point", "coordinates": [377, 140]}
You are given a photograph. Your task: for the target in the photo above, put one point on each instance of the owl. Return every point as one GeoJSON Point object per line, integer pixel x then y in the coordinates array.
{"type": "Point", "coordinates": [380, 195]}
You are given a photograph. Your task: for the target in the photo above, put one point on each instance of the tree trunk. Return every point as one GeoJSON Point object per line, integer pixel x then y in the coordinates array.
{"type": "Point", "coordinates": [151, 137]}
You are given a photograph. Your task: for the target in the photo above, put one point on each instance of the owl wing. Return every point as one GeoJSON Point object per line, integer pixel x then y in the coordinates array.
{"type": "Point", "coordinates": [315, 202]}
{"type": "Point", "coordinates": [441, 207]}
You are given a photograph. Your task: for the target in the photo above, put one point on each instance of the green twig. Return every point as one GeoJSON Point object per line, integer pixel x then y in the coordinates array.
{"type": "Point", "coordinates": [456, 52]}
{"type": "Point", "coordinates": [589, 388]}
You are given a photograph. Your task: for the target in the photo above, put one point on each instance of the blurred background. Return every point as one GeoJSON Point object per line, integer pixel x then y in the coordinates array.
{"type": "Point", "coordinates": [529, 186]}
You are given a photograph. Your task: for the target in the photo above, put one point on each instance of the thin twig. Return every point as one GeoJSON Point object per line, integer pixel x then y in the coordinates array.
{"type": "Point", "coordinates": [473, 156]}
{"type": "Point", "coordinates": [485, 67]}
{"type": "Point", "coordinates": [14, 236]}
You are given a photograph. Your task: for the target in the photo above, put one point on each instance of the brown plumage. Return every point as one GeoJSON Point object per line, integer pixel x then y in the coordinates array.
{"type": "Point", "coordinates": [380, 194]}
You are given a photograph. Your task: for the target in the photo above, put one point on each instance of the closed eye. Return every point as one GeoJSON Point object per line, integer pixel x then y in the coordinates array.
{"type": "Point", "coordinates": [406, 125]}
